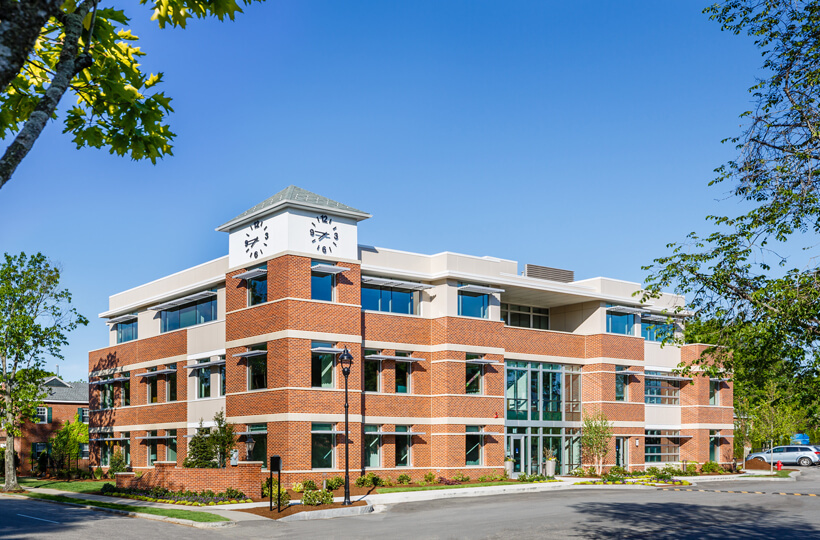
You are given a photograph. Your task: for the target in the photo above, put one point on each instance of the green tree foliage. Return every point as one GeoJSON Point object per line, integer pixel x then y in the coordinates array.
{"type": "Point", "coordinates": [734, 276]}
{"type": "Point", "coordinates": [118, 463]}
{"type": "Point", "coordinates": [200, 450]}
{"type": "Point", "coordinates": [774, 419]}
{"type": "Point", "coordinates": [66, 441]}
{"type": "Point", "coordinates": [52, 47]}
{"type": "Point", "coordinates": [35, 316]}
{"type": "Point", "coordinates": [222, 438]}
{"type": "Point", "coordinates": [596, 433]}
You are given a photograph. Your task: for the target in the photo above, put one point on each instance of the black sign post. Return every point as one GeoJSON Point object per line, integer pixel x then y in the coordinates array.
{"type": "Point", "coordinates": [276, 464]}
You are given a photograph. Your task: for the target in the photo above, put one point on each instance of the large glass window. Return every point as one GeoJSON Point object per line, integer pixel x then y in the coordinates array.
{"type": "Point", "coordinates": [171, 383]}
{"type": "Point", "coordinates": [473, 377]}
{"type": "Point", "coordinates": [620, 323]}
{"type": "Point", "coordinates": [403, 371]}
{"type": "Point", "coordinates": [259, 432]}
{"type": "Point", "coordinates": [188, 315]}
{"type": "Point", "coordinates": [126, 331]}
{"type": "Point", "coordinates": [171, 445]}
{"type": "Point", "coordinates": [654, 331]}
{"type": "Point", "coordinates": [474, 439]}
{"type": "Point", "coordinates": [126, 447]}
{"type": "Point", "coordinates": [662, 446]}
{"type": "Point", "coordinates": [321, 447]}
{"type": "Point", "coordinates": [372, 375]}
{"type": "Point", "coordinates": [152, 449]}
{"type": "Point", "coordinates": [153, 387]}
{"type": "Point", "coordinates": [472, 304]}
{"type": "Point", "coordinates": [375, 298]}
{"type": "Point", "coordinates": [661, 391]}
{"type": "Point", "coordinates": [551, 393]}
{"type": "Point", "coordinates": [541, 391]}
{"type": "Point", "coordinates": [372, 447]}
{"type": "Point", "coordinates": [257, 290]}
{"type": "Point", "coordinates": [203, 380]}
{"type": "Point", "coordinates": [713, 393]}
{"type": "Point", "coordinates": [403, 445]}
{"type": "Point", "coordinates": [125, 390]}
{"type": "Point", "coordinates": [525, 316]}
{"type": "Point", "coordinates": [107, 394]}
{"type": "Point", "coordinates": [621, 382]}
{"type": "Point", "coordinates": [321, 375]}
{"type": "Point", "coordinates": [321, 284]}
{"type": "Point", "coordinates": [258, 368]}
{"type": "Point", "coordinates": [223, 381]}
{"type": "Point", "coordinates": [516, 392]}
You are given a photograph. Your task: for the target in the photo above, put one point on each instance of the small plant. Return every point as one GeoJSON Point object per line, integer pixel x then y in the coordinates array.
{"type": "Point", "coordinates": [335, 483]}
{"type": "Point", "coordinates": [98, 473]}
{"type": "Point", "coordinates": [618, 471]}
{"type": "Point", "coordinates": [387, 481]}
{"type": "Point", "coordinates": [461, 477]}
{"type": "Point", "coordinates": [316, 497]}
{"type": "Point", "coordinates": [404, 479]}
{"type": "Point", "coordinates": [368, 480]}
{"type": "Point", "coordinates": [309, 485]}
{"type": "Point", "coordinates": [710, 467]}
{"type": "Point", "coordinates": [549, 454]}
{"type": "Point", "coordinates": [446, 482]}
{"type": "Point", "coordinates": [430, 478]}
{"type": "Point", "coordinates": [298, 487]}
{"type": "Point", "coordinates": [523, 477]}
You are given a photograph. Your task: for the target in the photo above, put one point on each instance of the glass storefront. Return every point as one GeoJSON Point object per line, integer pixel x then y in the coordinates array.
{"type": "Point", "coordinates": [529, 447]}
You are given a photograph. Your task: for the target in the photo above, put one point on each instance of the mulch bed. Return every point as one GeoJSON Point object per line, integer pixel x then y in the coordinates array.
{"type": "Point", "coordinates": [354, 492]}
{"type": "Point", "coordinates": [760, 465]}
{"type": "Point", "coordinates": [292, 509]}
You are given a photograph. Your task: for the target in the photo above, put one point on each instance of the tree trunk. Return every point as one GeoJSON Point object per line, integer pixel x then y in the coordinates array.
{"type": "Point", "coordinates": [20, 24]}
{"type": "Point", "coordinates": [771, 461]}
{"type": "Point", "coordinates": [10, 472]}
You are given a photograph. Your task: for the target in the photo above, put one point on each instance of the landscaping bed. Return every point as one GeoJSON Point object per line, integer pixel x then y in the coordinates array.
{"type": "Point", "coordinates": [295, 509]}
{"type": "Point", "coordinates": [182, 498]}
{"type": "Point", "coordinates": [652, 482]}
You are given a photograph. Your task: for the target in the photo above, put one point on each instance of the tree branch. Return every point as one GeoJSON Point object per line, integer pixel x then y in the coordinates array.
{"type": "Point", "coordinates": [20, 25]}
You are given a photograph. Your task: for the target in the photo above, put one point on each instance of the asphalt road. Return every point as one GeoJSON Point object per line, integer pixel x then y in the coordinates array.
{"type": "Point", "coordinates": [617, 513]}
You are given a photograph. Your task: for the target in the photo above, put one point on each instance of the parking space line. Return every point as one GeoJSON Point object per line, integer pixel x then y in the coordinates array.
{"type": "Point", "coordinates": [38, 519]}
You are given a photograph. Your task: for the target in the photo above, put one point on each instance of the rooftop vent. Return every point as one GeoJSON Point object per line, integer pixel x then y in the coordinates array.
{"type": "Point", "coordinates": [550, 274]}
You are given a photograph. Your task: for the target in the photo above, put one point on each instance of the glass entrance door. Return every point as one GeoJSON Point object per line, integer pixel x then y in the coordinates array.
{"type": "Point", "coordinates": [518, 451]}
{"type": "Point", "coordinates": [620, 452]}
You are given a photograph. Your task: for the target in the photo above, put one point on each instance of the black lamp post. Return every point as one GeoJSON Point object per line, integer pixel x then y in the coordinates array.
{"type": "Point", "coordinates": [346, 359]}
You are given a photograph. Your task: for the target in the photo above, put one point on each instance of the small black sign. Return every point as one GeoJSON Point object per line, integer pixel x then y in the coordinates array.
{"type": "Point", "coordinates": [275, 463]}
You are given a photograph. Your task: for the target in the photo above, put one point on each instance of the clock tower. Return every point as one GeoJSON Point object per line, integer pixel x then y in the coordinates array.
{"type": "Point", "coordinates": [295, 221]}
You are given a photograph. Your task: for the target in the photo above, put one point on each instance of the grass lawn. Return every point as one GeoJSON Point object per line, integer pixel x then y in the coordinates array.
{"type": "Point", "coordinates": [429, 488]}
{"type": "Point", "coordinates": [74, 487]}
{"type": "Point", "coordinates": [172, 513]}
{"type": "Point", "coordinates": [777, 474]}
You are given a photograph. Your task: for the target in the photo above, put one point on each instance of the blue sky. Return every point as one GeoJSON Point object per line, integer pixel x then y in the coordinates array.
{"type": "Point", "coordinates": [579, 135]}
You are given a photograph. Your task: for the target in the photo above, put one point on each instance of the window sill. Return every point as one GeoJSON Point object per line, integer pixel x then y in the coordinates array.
{"type": "Point", "coordinates": [411, 315]}
{"type": "Point", "coordinates": [208, 398]}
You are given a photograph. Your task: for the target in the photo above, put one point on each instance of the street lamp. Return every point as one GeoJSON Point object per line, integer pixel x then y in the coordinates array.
{"type": "Point", "coordinates": [249, 444]}
{"type": "Point", "coordinates": [346, 360]}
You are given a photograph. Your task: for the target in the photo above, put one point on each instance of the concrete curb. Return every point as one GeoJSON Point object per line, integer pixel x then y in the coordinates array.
{"type": "Point", "coordinates": [328, 514]}
{"type": "Point", "coordinates": [754, 478]}
{"type": "Point", "coordinates": [177, 521]}
{"type": "Point", "coordinates": [430, 495]}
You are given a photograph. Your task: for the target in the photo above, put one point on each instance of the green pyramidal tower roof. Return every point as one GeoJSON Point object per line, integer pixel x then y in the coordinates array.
{"type": "Point", "coordinates": [294, 197]}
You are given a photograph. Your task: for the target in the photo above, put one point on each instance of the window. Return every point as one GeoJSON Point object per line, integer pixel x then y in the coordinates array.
{"type": "Point", "coordinates": [126, 331]}
{"type": "Point", "coordinates": [257, 290]}
{"type": "Point", "coordinates": [84, 415]}
{"type": "Point", "coordinates": [620, 323]}
{"type": "Point", "coordinates": [661, 391]}
{"type": "Point", "coordinates": [126, 447]}
{"type": "Point", "coordinates": [321, 284]}
{"type": "Point", "coordinates": [125, 390]}
{"type": "Point", "coordinates": [542, 391]}
{"type": "Point", "coordinates": [84, 453]}
{"type": "Point", "coordinates": [661, 446]}
{"type": "Point", "coordinates": [472, 304]}
{"type": "Point", "coordinates": [525, 316]}
{"type": "Point", "coordinates": [171, 445]}
{"type": "Point", "coordinates": [714, 386]}
{"type": "Point", "coordinates": [191, 314]}
{"type": "Point", "coordinates": [223, 386]}
{"type": "Point", "coordinates": [171, 383]}
{"type": "Point", "coordinates": [321, 446]}
{"type": "Point", "coordinates": [654, 331]}
{"type": "Point", "coordinates": [473, 445]}
{"type": "Point", "coordinates": [258, 368]}
{"type": "Point", "coordinates": [375, 298]}
{"type": "Point", "coordinates": [259, 432]}
{"type": "Point", "coordinates": [152, 449]}
{"type": "Point", "coordinates": [39, 448]}
{"type": "Point", "coordinates": [42, 415]}
{"type": "Point", "coordinates": [621, 382]}
{"type": "Point", "coordinates": [372, 372]}
{"type": "Point", "coordinates": [321, 375]}
{"type": "Point", "coordinates": [473, 375]}
{"type": "Point", "coordinates": [403, 371]}
{"type": "Point", "coordinates": [105, 453]}
{"type": "Point", "coordinates": [153, 387]}
{"type": "Point", "coordinates": [403, 446]}
{"type": "Point", "coordinates": [106, 394]}
{"type": "Point", "coordinates": [203, 387]}
{"type": "Point", "coordinates": [714, 442]}
{"type": "Point", "coordinates": [372, 447]}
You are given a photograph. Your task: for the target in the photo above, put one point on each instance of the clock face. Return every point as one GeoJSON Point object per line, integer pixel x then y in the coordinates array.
{"type": "Point", "coordinates": [256, 239]}
{"type": "Point", "coordinates": [323, 234]}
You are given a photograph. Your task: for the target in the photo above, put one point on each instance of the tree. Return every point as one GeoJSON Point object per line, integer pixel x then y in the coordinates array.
{"type": "Point", "coordinates": [51, 47]}
{"type": "Point", "coordinates": [222, 438]}
{"type": "Point", "coordinates": [735, 276]}
{"type": "Point", "coordinates": [35, 316]}
{"type": "Point", "coordinates": [200, 450]}
{"type": "Point", "coordinates": [774, 419]}
{"type": "Point", "coordinates": [66, 441]}
{"type": "Point", "coordinates": [596, 432]}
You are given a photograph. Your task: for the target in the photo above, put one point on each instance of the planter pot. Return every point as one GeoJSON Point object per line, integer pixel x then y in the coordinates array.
{"type": "Point", "coordinates": [508, 466]}
{"type": "Point", "coordinates": [550, 466]}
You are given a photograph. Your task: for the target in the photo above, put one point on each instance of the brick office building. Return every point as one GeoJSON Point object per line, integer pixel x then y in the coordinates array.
{"type": "Point", "coordinates": [458, 360]}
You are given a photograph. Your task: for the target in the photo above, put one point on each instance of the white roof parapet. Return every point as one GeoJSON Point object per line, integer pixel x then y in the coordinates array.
{"type": "Point", "coordinates": [328, 269]}
{"type": "Point", "coordinates": [396, 283]}
{"type": "Point", "coordinates": [182, 301]}
{"type": "Point", "coordinates": [122, 318]}
{"type": "Point", "coordinates": [134, 306]}
{"type": "Point", "coordinates": [407, 359]}
{"type": "Point", "coordinates": [250, 274]}
{"type": "Point", "coordinates": [480, 289]}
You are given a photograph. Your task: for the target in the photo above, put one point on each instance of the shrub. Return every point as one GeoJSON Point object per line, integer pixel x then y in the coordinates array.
{"type": "Point", "coordinates": [232, 493]}
{"type": "Point", "coordinates": [710, 467]}
{"type": "Point", "coordinates": [618, 471]}
{"type": "Point", "coordinates": [691, 469]}
{"type": "Point", "coordinates": [298, 487]}
{"type": "Point", "coordinates": [98, 473]}
{"type": "Point", "coordinates": [266, 492]}
{"type": "Point", "coordinates": [404, 478]}
{"type": "Point", "coordinates": [368, 480]}
{"type": "Point", "coordinates": [309, 485]}
{"type": "Point", "coordinates": [461, 477]}
{"type": "Point", "coordinates": [430, 478]}
{"type": "Point", "coordinates": [335, 483]}
{"type": "Point", "coordinates": [108, 488]}
{"type": "Point", "coordinates": [523, 477]}
{"type": "Point", "coordinates": [446, 482]}
{"type": "Point", "coordinates": [118, 463]}
{"type": "Point", "coordinates": [316, 497]}
{"type": "Point", "coordinates": [387, 481]}
{"type": "Point", "coordinates": [493, 477]}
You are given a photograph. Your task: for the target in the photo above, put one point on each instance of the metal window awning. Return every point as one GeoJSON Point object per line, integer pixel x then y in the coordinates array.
{"type": "Point", "coordinates": [667, 377]}
{"type": "Point", "coordinates": [407, 359]}
{"type": "Point", "coordinates": [251, 433]}
{"type": "Point", "coordinates": [156, 373]}
{"type": "Point", "coordinates": [107, 439]}
{"type": "Point", "coordinates": [155, 437]}
{"type": "Point", "coordinates": [719, 379]}
{"type": "Point", "coordinates": [250, 274]}
{"type": "Point", "coordinates": [394, 433]}
{"type": "Point", "coordinates": [396, 283]}
{"type": "Point", "coordinates": [182, 301]}
{"type": "Point", "coordinates": [327, 350]}
{"type": "Point", "coordinates": [250, 354]}
{"type": "Point", "coordinates": [327, 432]}
{"type": "Point", "coordinates": [110, 381]}
{"type": "Point", "coordinates": [480, 289]}
{"type": "Point", "coordinates": [627, 372]}
{"type": "Point", "coordinates": [654, 318]}
{"type": "Point", "coordinates": [626, 309]}
{"type": "Point", "coordinates": [482, 361]}
{"type": "Point", "coordinates": [122, 318]}
{"type": "Point", "coordinates": [328, 269]}
{"type": "Point", "coordinates": [219, 362]}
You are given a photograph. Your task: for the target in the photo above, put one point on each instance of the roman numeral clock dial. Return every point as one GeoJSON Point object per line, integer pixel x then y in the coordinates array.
{"type": "Point", "coordinates": [323, 234]}
{"type": "Point", "coordinates": [256, 238]}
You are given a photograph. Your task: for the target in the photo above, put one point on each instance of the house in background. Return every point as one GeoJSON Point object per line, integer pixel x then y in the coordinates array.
{"type": "Point", "coordinates": [63, 402]}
